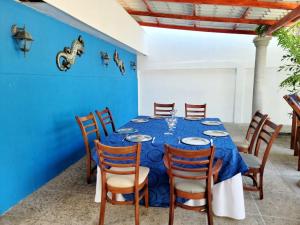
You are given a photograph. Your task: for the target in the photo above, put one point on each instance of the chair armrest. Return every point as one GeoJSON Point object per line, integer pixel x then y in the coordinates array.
{"type": "Point", "coordinates": [216, 169]}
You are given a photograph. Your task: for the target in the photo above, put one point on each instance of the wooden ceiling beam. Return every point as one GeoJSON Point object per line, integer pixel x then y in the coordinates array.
{"type": "Point", "coordinates": [192, 28]}
{"type": "Point", "coordinates": [147, 5]}
{"type": "Point", "coordinates": [286, 20]}
{"type": "Point", "coordinates": [202, 18]}
{"type": "Point", "coordinates": [242, 3]}
{"type": "Point", "coordinates": [149, 9]}
{"type": "Point", "coordinates": [243, 16]}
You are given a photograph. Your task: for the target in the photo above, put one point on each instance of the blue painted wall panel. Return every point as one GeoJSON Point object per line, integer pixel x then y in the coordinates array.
{"type": "Point", "coordinates": [39, 136]}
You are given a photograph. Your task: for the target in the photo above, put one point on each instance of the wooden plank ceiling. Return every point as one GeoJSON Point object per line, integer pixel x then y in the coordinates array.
{"type": "Point", "coordinates": [223, 16]}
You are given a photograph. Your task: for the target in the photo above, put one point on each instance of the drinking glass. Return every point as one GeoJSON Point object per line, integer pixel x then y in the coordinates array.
{"type": "Point", "coordinates": [170, 126]}
{"type": "Point", "coordinates": [173, 112]}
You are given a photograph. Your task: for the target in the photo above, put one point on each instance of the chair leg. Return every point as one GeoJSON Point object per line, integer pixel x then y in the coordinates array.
{"type": "Point", "coordinates": [88, 170]}
{"type": "Point", "coordinates": [209, 210]}
{"type": "Point", "coordinates": [172, 206]}
{"type": "Point", "coordinates": [299, 162]}
{"type": "Point", "coordinates": [254, 179]}
{"type": "Point", "coordinates": [102, 207]}
{"type": "Point", "coordinates": [136, 202]}
{"type": "Point", "coordinates": [298, 148]}
{"type": "Point", "coordinates": [146, 195]}
{"type": "Point", "coordinates": [261, 186]}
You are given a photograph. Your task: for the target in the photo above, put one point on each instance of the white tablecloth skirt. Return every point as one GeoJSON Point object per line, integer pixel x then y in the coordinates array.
{"type": "Point", "coordinates": [228, 197]}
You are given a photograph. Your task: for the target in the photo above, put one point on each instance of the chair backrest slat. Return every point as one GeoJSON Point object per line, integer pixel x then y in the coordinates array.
{"type": "Point", "coordinates": [88, 126]}
{"type": "Point", "coordinates": [268, 134]}
{"type": "Point", "coordinates": [105, 117]}
{"type": "Point", "coordinates": [189, 169]}
{"type": "Point", "coordinates": [254, 128]}
{"type": "Point", "coordinates": [163, 109]}
{"type": "Point", "coordinates": [118, 165]}
{"type": "Point", "coordinates": [197, 162]}
{"type": "Point", "coordinates": [119, 172]}
{"type": "Point", "coordinates": [192, 110]}
{"type": "Point", "coordinates": [119, 157]}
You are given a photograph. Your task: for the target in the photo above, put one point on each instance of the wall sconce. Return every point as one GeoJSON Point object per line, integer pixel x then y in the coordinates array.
{"type": "Point", "coordinates": [22, 38]}
{"type": "Point", "coordinates": [133, 65]}
{"type": "Point", "coordinates": [105, 58]}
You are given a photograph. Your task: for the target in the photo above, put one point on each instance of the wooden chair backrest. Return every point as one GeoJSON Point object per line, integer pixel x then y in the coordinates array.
{"type": "Point", "coordinates": [294, 101]}
{"type": "Point", "coordinates": [199, 162]}
{"type": "Point", "coordinates": [195, 110]}
{"type": "Point", "coordinates": [267, 134]}
{"type": "Point", "coordinates": [163, 109]}
{"type": "Point", "coordinates": [119, 157]}
{"type": "Point", "coordinates": [106, 118]}
{"type": "Point", "coordinates": [89, 129]}
{"type": "Point", "coordinates": [254, 128]}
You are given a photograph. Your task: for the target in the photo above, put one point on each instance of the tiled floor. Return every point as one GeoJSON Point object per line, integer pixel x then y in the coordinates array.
{"type": "Point", "coordinates": [68, 200]}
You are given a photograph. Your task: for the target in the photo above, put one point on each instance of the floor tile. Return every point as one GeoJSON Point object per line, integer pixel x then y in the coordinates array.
{"type": "Point", "coordinates": [12, 220]}
{"type": "Point", "coordinates": [280, 205]}
{"type": "Point", "coordinates": [280, 221]}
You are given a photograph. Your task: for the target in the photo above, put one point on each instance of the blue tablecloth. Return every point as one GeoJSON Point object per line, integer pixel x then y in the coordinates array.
{"type": "Point", "coordinates": [152, 153]}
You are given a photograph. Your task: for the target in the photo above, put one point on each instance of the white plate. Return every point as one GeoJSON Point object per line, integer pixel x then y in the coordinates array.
{"type": "Point", "coordinates": [211, 123]}
{"type": "Point", "coordinates": [139, 120]}
{"type": "Point", "coordinates": [129, 130]}
{"type": "Point", "coordinates": [157, 117]}
{"type": "Point", "coordinates": [193, 118]}
{"type": "Point", "coordinates": [216, 133]}
{"type": "Point", "coordinates": [138, 138]}
{"type": "Point", "coordinates": [195, 141]}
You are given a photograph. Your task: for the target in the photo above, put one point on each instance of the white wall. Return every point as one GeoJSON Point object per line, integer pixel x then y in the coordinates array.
{"type": "Point", "coordinates": [217, 69]}
{"type": "Point", "coordinates": [108, 17]}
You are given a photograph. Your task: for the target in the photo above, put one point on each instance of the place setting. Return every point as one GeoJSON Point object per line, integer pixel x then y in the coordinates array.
{"type": "Point", "coordinates": [194, 141]}
{"type": "Point", "coordinates": [193, 118]}
{"type": "Point", "coordinates": [140, 120]}
{"type": "Point", "coordinates": [128, 130]}
{"type": "Point", "coordinates": [157, 117]}
{"type": "Point", "coordinates": [138, 138]}
{"type": "Point", "coordinates": [211, 122]}
{"type": "Point", "coordinates": [216, 133]}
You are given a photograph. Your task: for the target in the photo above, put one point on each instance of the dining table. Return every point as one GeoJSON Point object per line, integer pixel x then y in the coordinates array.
{"type": "Point", "coordinates": [228, 196]}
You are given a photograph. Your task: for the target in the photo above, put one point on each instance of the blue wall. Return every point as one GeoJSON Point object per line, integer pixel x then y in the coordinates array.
{"type": "Point", "coordinates": [39, 136]}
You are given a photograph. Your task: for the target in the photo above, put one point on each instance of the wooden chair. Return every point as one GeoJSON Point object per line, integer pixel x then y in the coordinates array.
{"type": "Point", "coordinates": [298, 147]}
{"type": "Point", "coordinates": [121, 173]}
{"type": "Point", "coordinates": [267, 135]}
{"type": "Point", "coordinates": [190, 183]}
{"type": "Point", "coordinates": [195, 110]}
{"type": "Point", "coordinates": [294, 101]}
{"type": "Point", "coordinates": [90, 132]}
{"type": "Point", "coordinates": [106, 118]}
{"type": "Point", "coordinates": [254, 128]}
{"type": "Point", "coordinates": [163, 109]}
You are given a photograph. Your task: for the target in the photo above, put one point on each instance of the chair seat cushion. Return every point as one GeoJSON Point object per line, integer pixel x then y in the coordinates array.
{"type": "Point", "coordinates": [126, 181]}
{"type": "Point", "coordinates": [251, 160]}
{"type": "Point", "coordinates": [243, 144]}
{"type": "Point", "coordinates": [190, 186]}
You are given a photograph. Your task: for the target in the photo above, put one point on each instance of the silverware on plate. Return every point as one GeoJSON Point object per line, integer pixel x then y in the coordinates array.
{"type": "Point", "coordinates": [179, 140]}
{"type": "Point", "coordinates": [153, 139]}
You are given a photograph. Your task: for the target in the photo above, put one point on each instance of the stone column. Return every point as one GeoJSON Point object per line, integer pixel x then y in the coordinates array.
{"type": "Point", "coordinates": [261, 44]}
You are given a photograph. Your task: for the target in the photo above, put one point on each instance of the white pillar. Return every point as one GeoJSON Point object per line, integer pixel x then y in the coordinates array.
{"type": "Point", "coordinates": [261, 44]}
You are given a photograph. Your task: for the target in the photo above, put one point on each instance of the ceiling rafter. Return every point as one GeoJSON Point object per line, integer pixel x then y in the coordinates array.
{"type": "Point", "coordinates": [192, 28]}
{"type": "Point", "coordinates": [243, 16]}
{"type": "Point", "coordinates": [286, 20]}
{"type": "Point", "coordinates": [149, 9]}
{"type": "Point", "coordinates": [202, 18]}
{"type": "Point", "coordinates": [242, 3]}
